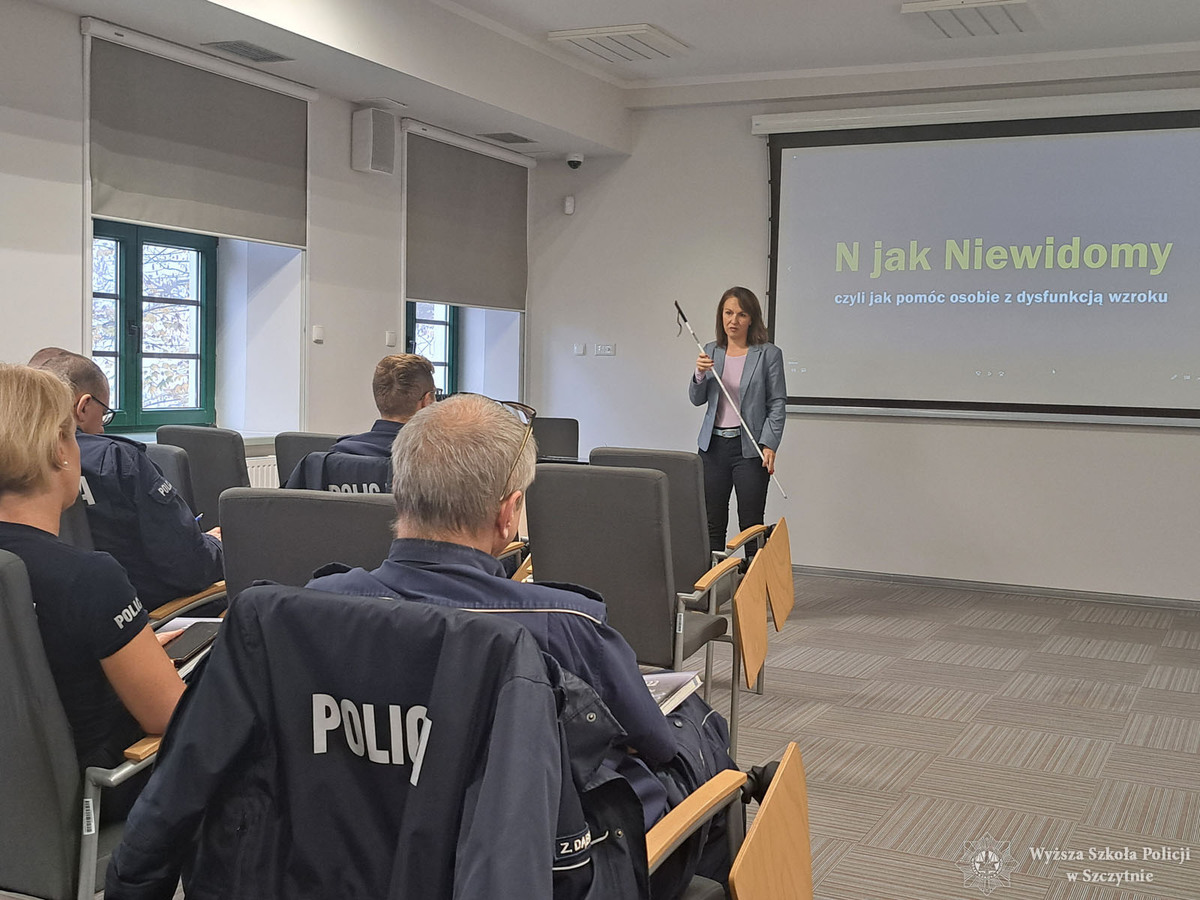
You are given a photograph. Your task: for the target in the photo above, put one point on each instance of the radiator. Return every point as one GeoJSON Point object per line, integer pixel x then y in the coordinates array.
{"type": "Point", "coordinates": [263, 471]}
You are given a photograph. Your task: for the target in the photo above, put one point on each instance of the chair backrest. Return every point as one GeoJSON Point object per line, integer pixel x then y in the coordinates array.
{"type": "Point", "coordinates": [176, 467]}
{"type": "Point", "coordinates": [293, 446]}
{"type": "Point", "coordinates": [608, 529]}
{"type": "Point", "coordinates": [556, 437]}
{"type": "Point", "coordinates": [40, 791]}
{"type": "Point", "coordinates": [775, 861]}
{"type": "Point", "coordinates": [218, 461]}
{"type": "Point", "coordinates": [690, 553]}
{"type": "Point", "coordinates": [73, 526]}
{"type": "Point", "coordinates": [282, 535]}
{"type": "Point", "coordinates": [393, 726]}
{"type": "Point", "coordinates": [346, 473]}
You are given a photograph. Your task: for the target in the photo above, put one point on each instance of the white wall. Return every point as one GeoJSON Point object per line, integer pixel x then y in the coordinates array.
{"type": "Point", "coordinates": [1110, 509]}
{"type": "Point", "coordinates": [259, 337]}
{"type": "Point", "coordinates": [489, 352]}
{"type": "Point", "coordinates": [41, 180]}
{"type": "Point", "coordinates": [353, 273]}
{"type": "Point", "coordinates": [354, 228]}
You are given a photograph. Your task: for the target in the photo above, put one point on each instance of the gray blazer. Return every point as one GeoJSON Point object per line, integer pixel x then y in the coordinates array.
{"type": "Point", "coordinates": [762, 391]}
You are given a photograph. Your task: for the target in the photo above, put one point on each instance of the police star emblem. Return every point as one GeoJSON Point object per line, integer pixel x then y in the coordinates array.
{"type": "Point", "coordinates": [985, 864]}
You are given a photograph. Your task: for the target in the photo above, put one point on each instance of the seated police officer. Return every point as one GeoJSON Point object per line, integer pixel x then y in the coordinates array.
{"type": "Point", "coordinates": [361, 463]}
{"type": "Point", "coordinates": [135, 514]}
{"type": "Point", "coordinates": [461, 470]}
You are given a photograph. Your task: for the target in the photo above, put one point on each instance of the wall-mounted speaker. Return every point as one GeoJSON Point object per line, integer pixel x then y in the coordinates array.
{"type": "Point", "coordinates": [373, 141]}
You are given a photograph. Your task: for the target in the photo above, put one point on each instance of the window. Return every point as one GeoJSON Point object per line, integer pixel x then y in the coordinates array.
{"type": "Point", "coordinates": [154, 323]}
{"type": "Point", "coordinates": [432, 330]}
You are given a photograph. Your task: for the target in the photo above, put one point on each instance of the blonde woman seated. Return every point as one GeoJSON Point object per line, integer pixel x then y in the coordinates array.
{"type": "Point", "coordinates": [115, 681]}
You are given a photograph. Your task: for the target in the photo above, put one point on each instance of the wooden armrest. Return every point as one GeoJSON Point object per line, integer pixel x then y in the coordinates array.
{"type": "Point", "coordinates": [717, 572]}
{"type": "Point", "coordinates": [512, 548]}
{"type": "Point", "coordinates": [674, 828]}
{"type": "Point", "coordinates": [171, 607]}
{"type": "Point", "coordinates": [144, 748]}
{"type": "Point", "coordinates": [524, 570]}
{"type": "Point", "coordinates": [748, 535]}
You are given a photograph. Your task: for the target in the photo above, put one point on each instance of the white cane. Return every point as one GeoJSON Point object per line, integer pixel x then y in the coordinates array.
{"type": "Point", "coordinates": [725, 391]}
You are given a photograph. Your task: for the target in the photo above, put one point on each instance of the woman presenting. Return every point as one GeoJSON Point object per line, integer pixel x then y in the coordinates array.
{"type": "Point", "coordinates": [751, 369]}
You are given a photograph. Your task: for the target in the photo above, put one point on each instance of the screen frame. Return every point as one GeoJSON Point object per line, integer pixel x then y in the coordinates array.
{"type": "Point", "coordinates": [857, 134]}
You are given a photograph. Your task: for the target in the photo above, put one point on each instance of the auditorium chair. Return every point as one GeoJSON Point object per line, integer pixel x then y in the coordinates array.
{"type": "Point", "coordinates": [293, 446]}
{"type": "Point", "coordinates": [173, 462]}
{"type": "Point", "coordinates": [774, 860]}
{"type": "Point", "coordinates": [275, 534]}
{"type": "Point", "coordinates": [218, 461]}
{"type": "Point", "coordinates": [690, 553]}
{"type": "Point", "coordinates": [609, 529]}
{"type": "Point", "coordinates": [51, 843]}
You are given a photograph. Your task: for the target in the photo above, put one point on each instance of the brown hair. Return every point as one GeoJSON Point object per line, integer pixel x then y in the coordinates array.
{"type": "Point", "coordinates": [35, 414]}
{"type": "Point", "coordinates": [757, 332]}
{"type": "Point", "coordinates": [399, 384]}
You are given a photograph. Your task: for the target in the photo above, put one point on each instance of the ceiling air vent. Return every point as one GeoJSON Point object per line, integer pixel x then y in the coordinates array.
{"type": "Point", "coordinates": [507, 137]}
{"type": "Point", "coordinates": [247, 50]}
{"type": "Point", "coordinates": [621, 43]}
{"type": "Point", "coordinates": [971, 18]}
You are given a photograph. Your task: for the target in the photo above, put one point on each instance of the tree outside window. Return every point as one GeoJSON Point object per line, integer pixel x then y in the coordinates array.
{"type": "Point", "coordinates": [153, 323]}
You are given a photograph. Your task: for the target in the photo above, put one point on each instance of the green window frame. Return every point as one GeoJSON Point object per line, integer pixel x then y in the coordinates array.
{"type": "Point", "coordinates": [154, 323]}
{"type": "Point", "coordinates": [432, 330]}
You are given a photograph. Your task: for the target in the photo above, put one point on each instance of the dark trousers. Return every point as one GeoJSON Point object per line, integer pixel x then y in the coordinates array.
{"type": "Point", "coordinates": [725, 470]}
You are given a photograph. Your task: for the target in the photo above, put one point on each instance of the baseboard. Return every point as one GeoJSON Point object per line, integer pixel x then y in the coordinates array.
{"type": "Point", "coordinates": [992, 587]}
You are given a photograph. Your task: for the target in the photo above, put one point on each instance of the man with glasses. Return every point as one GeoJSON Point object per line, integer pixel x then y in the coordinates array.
{"type": "Point", "coordinates": [461, 468]}
{"type": "Point", "coordinates": [134, 513]}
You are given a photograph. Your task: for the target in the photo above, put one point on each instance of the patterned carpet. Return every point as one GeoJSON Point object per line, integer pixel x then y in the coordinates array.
{"type": "Point", "coordinates": [950, 735]}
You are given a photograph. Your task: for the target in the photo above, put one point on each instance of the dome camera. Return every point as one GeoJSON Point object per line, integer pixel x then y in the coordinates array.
{"type": "Point", "coordinates": [574, 160]}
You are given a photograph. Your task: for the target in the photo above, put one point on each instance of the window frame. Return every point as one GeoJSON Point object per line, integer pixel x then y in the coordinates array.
{"type": "Point", "coordinates": [450, 323]}
{"type": "Point", "coordinates": [130, 239]}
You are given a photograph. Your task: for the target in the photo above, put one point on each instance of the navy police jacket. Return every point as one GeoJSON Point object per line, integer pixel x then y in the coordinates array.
{"type": "Point", "coordinates": [419, 753]}
{"type": "Point", "coordinates": [569, 623]}
{"type": "Point", "coordinates": [376, 442]}
{"type": "Point", "coordinates": [349, 473]}
{"type": "Point", "coordinates": [136, 515]}
{"type": "Point", "coordinates": [674, 754]}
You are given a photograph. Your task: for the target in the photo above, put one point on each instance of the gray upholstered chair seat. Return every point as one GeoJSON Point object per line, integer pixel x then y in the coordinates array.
{"type": "Point", "coordinates": [700, 628]}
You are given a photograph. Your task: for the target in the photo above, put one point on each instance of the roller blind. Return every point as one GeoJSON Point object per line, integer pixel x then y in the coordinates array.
{"type": "Point", "coordinates": [179, 147]}
{"type": "Point", "coordinates": [466, 227]}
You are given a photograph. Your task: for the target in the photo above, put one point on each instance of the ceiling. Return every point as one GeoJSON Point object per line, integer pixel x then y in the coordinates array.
{"type": "Point", "coordinates": [730, 39]}
{"type": "Point", "coordinates": [736, 50]}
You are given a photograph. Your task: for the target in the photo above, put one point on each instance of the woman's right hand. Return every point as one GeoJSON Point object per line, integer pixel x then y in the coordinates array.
{"type": "Point", "coordinates": [703, 363]}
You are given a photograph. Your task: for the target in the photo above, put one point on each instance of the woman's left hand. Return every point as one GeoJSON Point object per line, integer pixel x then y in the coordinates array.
{"type": "Point", "coordinates": [769, 460]}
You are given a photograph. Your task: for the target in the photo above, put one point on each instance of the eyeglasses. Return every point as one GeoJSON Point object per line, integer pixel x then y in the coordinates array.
{"type": "Point", "coordinates": [109, 412]}
{"type": "Point", "coordinates": [522, 411]}
{"type": "Point", "coordinates": [526, 414]}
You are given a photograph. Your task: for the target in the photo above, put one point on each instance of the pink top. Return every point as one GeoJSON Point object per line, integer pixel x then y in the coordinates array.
{"type": "Point", "coordinates": [727, 416]}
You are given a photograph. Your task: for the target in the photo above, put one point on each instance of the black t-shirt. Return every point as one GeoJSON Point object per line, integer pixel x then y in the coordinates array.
{"type": "Point", "coordinates": [86, 611]}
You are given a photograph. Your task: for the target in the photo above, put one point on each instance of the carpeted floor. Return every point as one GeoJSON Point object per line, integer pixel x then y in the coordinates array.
{"type": "Point", "coordinates": [945, 730]}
